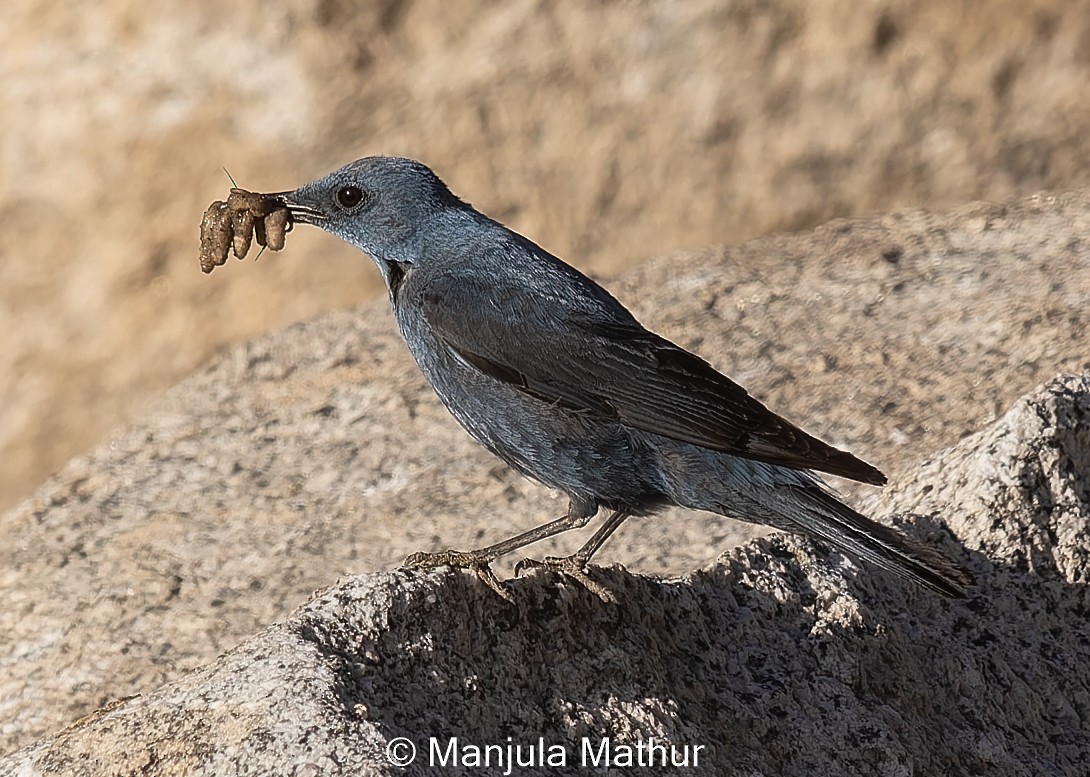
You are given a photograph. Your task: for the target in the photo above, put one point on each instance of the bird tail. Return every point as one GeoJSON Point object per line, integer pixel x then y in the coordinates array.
{"type": "Point", "coordinates": [826, 517]}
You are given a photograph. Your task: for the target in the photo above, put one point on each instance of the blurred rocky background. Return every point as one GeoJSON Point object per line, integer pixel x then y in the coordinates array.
{"type": "Point", "coordinates": [607, 131]}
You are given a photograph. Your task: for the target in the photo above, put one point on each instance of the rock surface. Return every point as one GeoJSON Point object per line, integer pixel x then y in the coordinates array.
{"type": "Point", "coordinates": [317, 451]}
{"type": "Point", "coordinates": [782, 658]}
{"type": "Point", "coordinates": [610, 132]}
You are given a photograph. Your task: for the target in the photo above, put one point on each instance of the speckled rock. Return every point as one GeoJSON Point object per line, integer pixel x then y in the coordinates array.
{"type": "Point", "coordinates": [317, 451]}
{"type": "Point", "coordinates": [781, 659]}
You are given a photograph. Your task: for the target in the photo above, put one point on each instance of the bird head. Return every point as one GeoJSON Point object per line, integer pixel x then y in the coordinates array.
{"type": "Point", "coordinates": [381, 205]}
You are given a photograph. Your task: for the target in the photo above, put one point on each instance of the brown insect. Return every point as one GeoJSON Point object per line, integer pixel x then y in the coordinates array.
{"type": "Point", "coordinates": [232, 225]}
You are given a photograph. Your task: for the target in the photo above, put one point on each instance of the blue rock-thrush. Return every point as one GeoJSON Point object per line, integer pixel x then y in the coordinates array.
{"type": "Point", "coordinates": [547, 370]}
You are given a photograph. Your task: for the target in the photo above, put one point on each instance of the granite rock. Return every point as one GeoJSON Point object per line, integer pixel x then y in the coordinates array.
{"type": "Point", "coordinates": [783, 658]}
{"type": "Point", "coordinates": [317, 451]}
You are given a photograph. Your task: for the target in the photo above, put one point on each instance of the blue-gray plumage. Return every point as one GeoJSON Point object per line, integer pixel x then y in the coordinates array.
{"type": "Point", "coordinates": [552, 374]}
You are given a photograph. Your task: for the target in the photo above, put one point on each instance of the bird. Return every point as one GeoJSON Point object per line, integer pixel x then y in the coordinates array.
{"type": "Point", "coordinates": [551, 373]}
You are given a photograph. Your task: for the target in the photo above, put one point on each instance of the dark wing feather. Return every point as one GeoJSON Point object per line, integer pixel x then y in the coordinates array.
{"type": "Point", "coordinates": [596, 361]}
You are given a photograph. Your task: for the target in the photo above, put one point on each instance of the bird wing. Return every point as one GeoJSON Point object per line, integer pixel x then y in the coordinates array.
{"type": "Point", "coordinates": [598, 359]}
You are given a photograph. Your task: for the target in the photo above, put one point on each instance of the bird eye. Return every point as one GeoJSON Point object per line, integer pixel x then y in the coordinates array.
{"type": "Point", "coordinates": [349, 196]}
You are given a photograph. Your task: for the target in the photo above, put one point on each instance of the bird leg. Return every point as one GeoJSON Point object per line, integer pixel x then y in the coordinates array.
{"type": "Point", "coordinates": [480, 560]}
{"type": "Point", "coordinates": [460, 559]}
{"type": "Point", "coordinates": [575, 565]}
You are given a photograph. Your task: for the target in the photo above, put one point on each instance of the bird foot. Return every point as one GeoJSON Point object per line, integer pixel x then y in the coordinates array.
{"type": "Point", "coordinates": [572, 566]}
{"type": "Point", "coordinates": [460, 559]}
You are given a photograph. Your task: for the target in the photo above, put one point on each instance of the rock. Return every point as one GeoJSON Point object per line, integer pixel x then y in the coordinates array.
{"type": "Point", "coordinates": [318, 452]}
{"type": "Point", "coordinates": [782, 658]}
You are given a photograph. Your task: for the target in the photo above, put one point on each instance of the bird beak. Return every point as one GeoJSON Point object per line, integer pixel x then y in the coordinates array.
{"type": "Point", "coordinates": [297, 207]}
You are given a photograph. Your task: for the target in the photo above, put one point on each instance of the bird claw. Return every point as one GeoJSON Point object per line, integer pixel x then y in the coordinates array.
{"type": "Point", "coordinates": [572, 566]}
{"type": "Point", "coordinates": [460, 559]}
